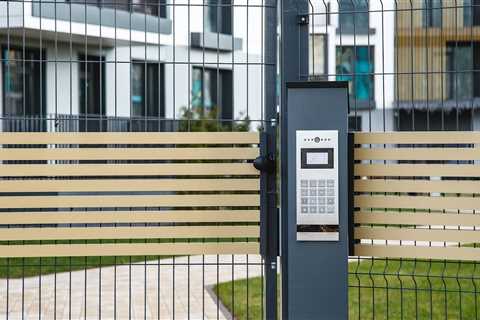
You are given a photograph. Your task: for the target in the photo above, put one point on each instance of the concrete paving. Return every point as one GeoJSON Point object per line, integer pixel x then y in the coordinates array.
{"type": "Point", "coordinates": [182, 291]}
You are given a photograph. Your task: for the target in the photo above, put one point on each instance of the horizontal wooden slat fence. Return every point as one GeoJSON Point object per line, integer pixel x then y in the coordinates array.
{"type": "Point", "coordinates": [94, 194]}
{"type": "Point", "coordinates": [416, 195]}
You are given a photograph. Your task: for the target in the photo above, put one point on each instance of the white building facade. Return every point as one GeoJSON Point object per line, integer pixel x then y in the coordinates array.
{"type": "Point", "coordinates": [129, 59]}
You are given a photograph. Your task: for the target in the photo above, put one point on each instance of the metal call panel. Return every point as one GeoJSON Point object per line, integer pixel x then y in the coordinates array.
{"type": "Point", "coordinates": [317, 185]}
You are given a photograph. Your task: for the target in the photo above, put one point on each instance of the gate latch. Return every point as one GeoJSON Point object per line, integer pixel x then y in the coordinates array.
{"type": "Point", "coordinates": [264, 164]}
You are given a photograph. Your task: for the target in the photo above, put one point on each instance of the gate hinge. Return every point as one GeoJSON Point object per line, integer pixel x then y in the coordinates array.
{"type": "Point", "coordinates": [303, 19]}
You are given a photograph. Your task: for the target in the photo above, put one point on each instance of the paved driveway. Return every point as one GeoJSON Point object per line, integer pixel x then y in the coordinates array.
{"type": "Point", "coordinates": [150, 290]}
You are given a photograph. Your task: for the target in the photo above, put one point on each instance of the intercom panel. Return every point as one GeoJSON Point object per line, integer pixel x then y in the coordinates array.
{"type": "Point", "coordinates": [317, 185]}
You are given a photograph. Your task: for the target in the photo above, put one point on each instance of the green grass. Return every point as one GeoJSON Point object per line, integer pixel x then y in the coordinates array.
{"type": "Point", "coordinates": [384, 289]}
{"type": "Point", "coordinates": [30, 267]}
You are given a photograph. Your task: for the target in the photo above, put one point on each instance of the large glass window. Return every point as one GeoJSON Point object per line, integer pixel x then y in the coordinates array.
{"type": "Point", "coordinates": [218, 16]}
{"type": "Point", "coordinates": [23, 82]}
{"type": "Point", "coordinates": [436, 120]}
{"type": "Point", "coordinates": [92, 92]}
{"type": "Point", "coordinates": [432, 13]}
{"type": "Point", "coordinates": [151, 7]}
{"type": "Point", "coordinates": [353, 16]}
{"type": "Point", "coordinates": [147, 94]}
{"type": "Point", "coordinates": [23, 89]}
{"type": "Point", "coordinates": [212, 91]}
{"type": "Point", "coordinates": [356, 65]}
{"type": "Point", "coordinates": [462, 59]}
{"type": "Point", "coordinates": [471, 13]}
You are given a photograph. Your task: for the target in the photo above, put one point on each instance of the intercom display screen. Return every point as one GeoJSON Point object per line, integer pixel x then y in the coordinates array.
{"type": "Point", "coordinates": [317, 158]}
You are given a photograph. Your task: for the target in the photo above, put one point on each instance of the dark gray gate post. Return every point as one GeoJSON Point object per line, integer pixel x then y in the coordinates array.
{"type": "Point", "coordinates": [268, 182]}
{"type": "Point", "coordinates": [314, 264]}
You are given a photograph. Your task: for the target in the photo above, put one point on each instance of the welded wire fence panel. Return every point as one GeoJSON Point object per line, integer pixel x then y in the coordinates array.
{"type": "Point", "coordinates": [133, 66]}
{"type": "Point", "coordinates": [411, 66]}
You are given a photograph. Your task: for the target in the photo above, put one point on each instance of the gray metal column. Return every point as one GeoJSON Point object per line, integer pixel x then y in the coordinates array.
{"type": "Point", "coordinates": [269, 221]}
{"type": "Point", "coordinates": [314, 273]}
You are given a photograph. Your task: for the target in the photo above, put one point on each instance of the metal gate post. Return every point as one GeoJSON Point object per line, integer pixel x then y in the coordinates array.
{"type": "Point", "coordinates": [314, 250]}
{"type": "Point", "coordinates": [270, 224]}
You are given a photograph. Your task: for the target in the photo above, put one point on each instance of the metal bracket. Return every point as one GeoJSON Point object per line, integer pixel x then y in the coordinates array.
{"type": "Point", "coordinates": [303, 19]}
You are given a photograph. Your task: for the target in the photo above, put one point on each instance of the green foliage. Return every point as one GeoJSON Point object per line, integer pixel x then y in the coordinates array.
{"type": "Point", "coordinates": [385, 289]}
{"type": "Point", "coordinates": [200, 120]}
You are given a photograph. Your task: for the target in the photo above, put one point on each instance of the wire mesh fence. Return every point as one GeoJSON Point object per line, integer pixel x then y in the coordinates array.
{"type": "Point", "coordinates": [75, 66]}
{"type": "Point", "coordinates": [411, 66]}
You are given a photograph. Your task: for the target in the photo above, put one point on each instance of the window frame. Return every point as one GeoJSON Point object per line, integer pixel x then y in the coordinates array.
{"type": "Point", "coordinates": [223, 10]}
{"type": "Point", "coordinates": [351, 78]}
{"type": "Point", "coordinates": [355, 9]}
{"type": "Point", "coordinates": [42, 92]}
{"type": "Point", "coordinates": [223, 113]}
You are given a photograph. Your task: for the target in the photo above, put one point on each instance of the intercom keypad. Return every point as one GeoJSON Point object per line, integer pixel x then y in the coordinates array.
{"type": "Point", "coordinates": [318, 196]}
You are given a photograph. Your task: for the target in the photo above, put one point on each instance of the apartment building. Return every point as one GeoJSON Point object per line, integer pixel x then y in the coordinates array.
{"type": "Point", "coordinates": [438, 62]}
{"type": "Point", "coordinates": [411, 65]}
{"type": "Point", "coordinates": [353, 41]}
{"type": "Point", "coordinates": [124, 64]}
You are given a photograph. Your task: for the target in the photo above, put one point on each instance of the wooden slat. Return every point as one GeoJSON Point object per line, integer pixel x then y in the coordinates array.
{"type": "Point", "coordinates": [93, 185]}
{"type": "Point", "coordinates": [418, 137]}
{"type": "Point", "coordinates": [93, 233]}
{"type": "Point", "coordinates": [130, 138]}
{"type": "Point", "coordinates": [417, 252]}
{"type": "Point", "coordinates": [417, 170]}
{"type": "Point", "coordinates": [164, 169]}
{"type": "Point", "coordinates": [417, 154]}
{"type": "Point", "coordinates": [193, 200]}
{"type": "Point", "coordinates": [129, 216]}
{"type": "Point", "coordinates": [420, 186]}
{"type": "Point", "coordinates": [419, 234]}
{"type": "Point", "coordinates": [129, 153]}
{"type": "Point", "coordinates": [417, 202]}
{"type": "Point", "coordinates": [417, 218]}
{"type": "Point", "coordinates": [127, 249]}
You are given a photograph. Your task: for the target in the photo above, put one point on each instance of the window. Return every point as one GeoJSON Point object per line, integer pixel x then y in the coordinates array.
{"type": "Point", "coordinates": [23, 82]}
{"type": "Point", "coordinates": [92, 93]}
{"type": "Point", "coordinates": [151, 7]}
{"type": "Point", "coordinates": [218, 16]}
{"type": "Point", "coordinates": [23, 89]}
{"type": "Point", "coordinates": [212, 91]}
{"type": "Point", "coordinates": [432, 13]}
{"type": "Point", "coordinates": [353, 16]}
{"type": "Point", "coordinates": [317, 64]}
{"type": "Point", "coordinates": [356, 65]}
{"type": "Point", "coordinates": [462, 59]}
{"type": "Point", "coordinates": [155, 8]}
{"type": "Point", "coordinates": [471, 13]}
{"type": "Point", "coordinates": [423, 120]}
{"type": "Point", "coordinates": [147, 95]}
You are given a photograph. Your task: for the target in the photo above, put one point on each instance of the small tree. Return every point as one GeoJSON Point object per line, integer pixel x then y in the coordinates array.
{"type": "Point", "coordinates": [198, 119]}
